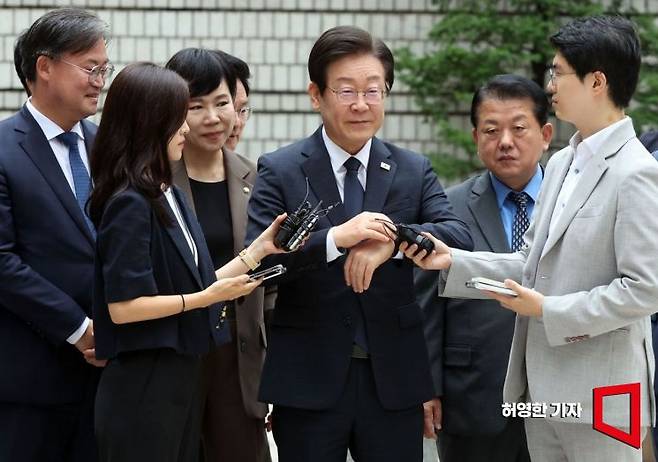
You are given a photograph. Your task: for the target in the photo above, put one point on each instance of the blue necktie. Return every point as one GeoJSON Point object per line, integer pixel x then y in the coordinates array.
{"type": "Point", "coordinates": [353, 192]}
{"type": "Point", "coordinates": [353, 203]}
{"type": "Point", "coordinates": [521, 220]}
{"type": "Point", "coordinates": [81, 180]}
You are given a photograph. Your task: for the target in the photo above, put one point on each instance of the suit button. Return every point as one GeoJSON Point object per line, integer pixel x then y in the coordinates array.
{"type": "Point", "coordinates": [240, 300]}
{"type": "Point", "coordinates": [243, 345]}
{"type": "Point", "coordinates": [347, 321]}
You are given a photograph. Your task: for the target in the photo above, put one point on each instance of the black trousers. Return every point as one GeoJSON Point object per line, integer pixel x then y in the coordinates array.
{"type": "Point", "coordinates": [357, 422]}
{"type": "Point", "coordinates": [148, 408]}
{"type": "Point", "coordinates": [49, 433]}
{"type": "Point", "coordinates": [510, 445]}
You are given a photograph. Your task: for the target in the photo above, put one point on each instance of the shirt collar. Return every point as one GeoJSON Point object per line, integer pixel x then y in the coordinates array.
{"type": "Point", "coordinates": [49, 128]}
{"type": "Point", "coordinates": [584, 149]}
{"type": "Point", "coordinates": [531, 189]}
{"type": "Point", "coordinates": [338, 155]}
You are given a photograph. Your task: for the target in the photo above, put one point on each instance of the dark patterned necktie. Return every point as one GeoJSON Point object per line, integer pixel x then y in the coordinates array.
{"type": "Point", "coordinates": [353, 203]}
{"type": "Point", "coordinates": [521, 220]}
{"type": "Point", "coordinates": [353, 191]}
{"type": "Point", "coordinates": [81, 180]}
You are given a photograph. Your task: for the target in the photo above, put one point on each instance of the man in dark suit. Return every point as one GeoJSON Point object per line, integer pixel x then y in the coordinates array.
{"type": "Point", "coordinates": [469, 340]}
{"type": "Point", "coordinates": [347, 365]}
{"type": "Point", "coordinates": [47, 243]}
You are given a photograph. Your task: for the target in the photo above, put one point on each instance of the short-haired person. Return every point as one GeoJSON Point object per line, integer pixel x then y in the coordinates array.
{"type": "Point", "coordinates": [346, 365]}
{"type": "Point", "coordinates": [156, 294]}
{"type": "Point", "coordinates": [47, 242]}
{"type": "Point", "coordinates": [241, 71]}
{"type": "Point", "coordinates": [589, 279]}
{"type": "Point", "coordinates": [218, 183]}
{"type": "Point", "coordinates": [469, 340]}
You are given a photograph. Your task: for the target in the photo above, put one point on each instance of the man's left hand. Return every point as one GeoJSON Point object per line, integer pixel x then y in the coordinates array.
{"type": "Point", "coordinates": [364, 258]}
{"type": "Point", "coordinates": [528, 302]}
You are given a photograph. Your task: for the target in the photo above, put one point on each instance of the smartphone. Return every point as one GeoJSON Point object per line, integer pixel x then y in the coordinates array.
{"type": "Point", "coordinates": [490, 285]}
{"type": "Point", "coordinates": [268, 273]}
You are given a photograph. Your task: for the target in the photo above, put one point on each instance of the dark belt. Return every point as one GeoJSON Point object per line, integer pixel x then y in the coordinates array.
{"type": "Point", "coordinates": [358, 352]}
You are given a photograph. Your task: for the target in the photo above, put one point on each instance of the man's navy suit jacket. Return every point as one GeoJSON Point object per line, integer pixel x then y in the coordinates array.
{"type": "Point", "coordinates": [313, 327]}
{"type": "Point", "coordinates": [46, 269]}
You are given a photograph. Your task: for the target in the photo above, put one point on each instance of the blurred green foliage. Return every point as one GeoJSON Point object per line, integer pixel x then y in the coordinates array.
{"type": "Point", "coordinates": [474, 40]}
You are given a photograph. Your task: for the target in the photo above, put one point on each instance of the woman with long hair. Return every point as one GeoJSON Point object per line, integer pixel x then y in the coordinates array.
{"type": "Point", "coordinates": [157, 297]}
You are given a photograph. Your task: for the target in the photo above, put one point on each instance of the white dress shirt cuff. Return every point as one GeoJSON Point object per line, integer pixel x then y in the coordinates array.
{"type": "Point", "coordinates": [332, 251]}
{"type": "Point", "coordinates": [79, 332]}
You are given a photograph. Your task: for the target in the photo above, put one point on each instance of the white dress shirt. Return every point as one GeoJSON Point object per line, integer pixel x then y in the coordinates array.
{"type": "Point", "coordinates": [584, 150]}
{"type": "Point", "coordinates": [51, 130]}
{"type": "Point", "coordinates": [338, 156]}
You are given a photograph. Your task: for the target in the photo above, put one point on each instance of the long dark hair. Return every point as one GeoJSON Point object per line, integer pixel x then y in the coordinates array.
{"type": "Point", "coordinates": [145, 106]}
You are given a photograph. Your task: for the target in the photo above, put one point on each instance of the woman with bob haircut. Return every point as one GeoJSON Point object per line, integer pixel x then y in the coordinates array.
{"type": "Point", "coordinates": [218, 183]}
{"type": "Point", "coordinates": [157, 297]}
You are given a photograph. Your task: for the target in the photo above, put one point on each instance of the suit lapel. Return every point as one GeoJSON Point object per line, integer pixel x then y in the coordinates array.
{"type": "Point", "coordinates": [379, 178]}
{"type": "Point", "coordinates": [176, 234]}
{"type": "Point", "coordinates": [239, 190]}
{"type": "Point", "coordinates": [484, 208]}
{"type": "Point", "coordinates": [593, 172]}
{"type": "Point", "coordinates": [317, 168]}
{"type": "Point", "coordinates": [182, 181]}
{"type": "Point", "coordinates": [548, 197]}
{"type": "Point", "coordinates": [591, 176]}
{"type": "Point", "coordinates": [36, 146]}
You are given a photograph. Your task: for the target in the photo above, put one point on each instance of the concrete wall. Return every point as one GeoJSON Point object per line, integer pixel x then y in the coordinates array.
{"type": "Point", "coordinates": [273, 36]}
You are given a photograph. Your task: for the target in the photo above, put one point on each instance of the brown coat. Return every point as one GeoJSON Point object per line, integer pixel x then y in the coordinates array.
{"type": "Point", "coordinates": [251, 339]}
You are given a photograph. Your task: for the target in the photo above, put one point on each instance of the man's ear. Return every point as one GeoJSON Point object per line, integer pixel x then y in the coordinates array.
{"type": "Point", "coordinates": [547, 135]}
{"type": "Point", "coordinates": [44, 67]}
{"type": "Point", "coordinates": [599, 81]}
{"type": "Point", "coordinates": [315, 95]}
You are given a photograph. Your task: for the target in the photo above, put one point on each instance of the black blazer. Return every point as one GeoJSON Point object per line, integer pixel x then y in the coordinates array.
{"type": "Point", "coordinates": [469, 340]}
{"type": "Point", "coordinates": [312, 330]}
{"type": "Point", "coordinates": [46, 267]}
{"type": "Point", "coordinates": [138, 256]}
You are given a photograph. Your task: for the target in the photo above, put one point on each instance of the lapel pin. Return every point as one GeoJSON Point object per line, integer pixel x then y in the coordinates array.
{"type": "Point", "coordinates": [245, 190]}
{"type": "Point", "coordinates": [385, 166]}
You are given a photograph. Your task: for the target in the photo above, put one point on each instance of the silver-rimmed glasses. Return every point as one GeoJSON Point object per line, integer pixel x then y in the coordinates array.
{"type": "Point", "coordinates": [553, 74]}
{"type": "Point", "coordinates": [351, 95]}
{"type": "Point", "coordinates": [245, 113]}
{"type": "Point", "coordinates": [100, 70]}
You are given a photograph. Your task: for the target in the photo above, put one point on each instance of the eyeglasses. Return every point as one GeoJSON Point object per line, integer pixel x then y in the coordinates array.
{"type": "Point", "coordinates": [351, 96]}
{"type": "Point", "coordinates": [101, 70]}
{"type": "Point", "coordinates": [244, 113]}
{"type": "Point", "coordinates": [553, 75]}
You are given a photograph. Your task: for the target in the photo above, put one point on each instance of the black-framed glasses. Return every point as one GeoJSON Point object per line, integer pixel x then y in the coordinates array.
{"type": "Point", "coordinates": [245, 113]}
{"type": "Point", "coordinates": [553, 74]}
{"type": "Point", "coordinates": [351, 95]}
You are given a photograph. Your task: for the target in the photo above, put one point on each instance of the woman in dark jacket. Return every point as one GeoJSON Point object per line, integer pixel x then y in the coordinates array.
{"type": "Point", "coordinates": [157, 297]}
